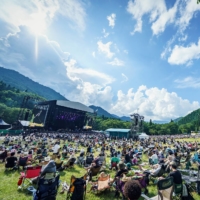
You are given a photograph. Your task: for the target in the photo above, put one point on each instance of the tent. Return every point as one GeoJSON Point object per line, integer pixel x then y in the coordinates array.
{"type": "Point", "coordinates": [4, 125]}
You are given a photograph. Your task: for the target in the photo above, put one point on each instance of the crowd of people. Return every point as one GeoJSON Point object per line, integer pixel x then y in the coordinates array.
{"type": "Point", "coordinates": [58, 151]}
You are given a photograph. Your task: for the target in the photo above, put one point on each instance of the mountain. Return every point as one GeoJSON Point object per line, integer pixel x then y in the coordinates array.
{"type": "Point", "coordinates": [177, 119]}
{"type": "Point", "coordinates": [160, 122]}
{"type": "Point", "coordinates": [115, 116]}
{"type": "Point", "coordinates": [191, 117]}
{"type": "Point", "coordinates": [21, 82]}
{"type": "Point", "coordinates": [124, 118]}
{"type": "Point", "coordinates": [101, 112]}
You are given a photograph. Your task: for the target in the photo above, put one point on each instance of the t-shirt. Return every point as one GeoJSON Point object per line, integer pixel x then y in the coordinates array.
{"type": "Point", "coordinates": [11, 161]}
{"type": "Point", "coordinates": [58, 161]}
{"type": "Point", "coordinates": [154, 157]}
{"type": "Point", "coordinates": [55, 148]}
{"type": "Point", "coordinates": [114, 160]}
{"type": "Point", "coordinates": [177, 177]}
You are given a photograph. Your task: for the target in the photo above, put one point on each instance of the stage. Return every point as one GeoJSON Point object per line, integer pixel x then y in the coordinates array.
{"type": "Point", "coordinates": [61, 114]}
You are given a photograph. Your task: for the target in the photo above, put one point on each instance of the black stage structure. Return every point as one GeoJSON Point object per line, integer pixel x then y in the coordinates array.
{"type": "Point", "coordinates": [61, 114]}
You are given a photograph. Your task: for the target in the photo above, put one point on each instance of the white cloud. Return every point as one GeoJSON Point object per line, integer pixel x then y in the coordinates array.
{"type": "Point", "coordinates": [139, 8]}
{"type": "Point", "coordinates": [94, 54]}
{"type": "Point", "coordinates": [183, 38]}
{"type": "Point", "coordinates": [188, 82]}
{"type": "Point", "coordinates": [184, 55]}
{"type": "Point", "coordinates": [125, 78]}
{"type": "Point", "coordinates": [54, 69]}
{"type": "Point", "coordinates": [17, 52]}
{"type": "Point", "coordinates": [77, 73]}
{"type": "Point", "coordinates": [96, 92]}
{"type": "Point", "coordinates": [167, 17]}
{"type": "Point", "coordinates": [116, 62]}
{"type": "Point", "coordinates": [111, 18]}
{"type": "Point", "coordinates": [105, 34]}
{"type": "Point", "coordinates": [160, 17]}
{"type": "Point", "coordinates": [37, 15]}
{"type": "Point", "coordinates": [105, 48]}
{"type": "Point", "coordinates": [153, 103]}
{"type": "Point", "coordinates": [168, 47]}
{"type": "Point", "coordinates": [187, 12]}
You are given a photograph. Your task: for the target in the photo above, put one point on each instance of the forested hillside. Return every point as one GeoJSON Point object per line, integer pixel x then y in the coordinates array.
{"type": "Point", "coordinates": [192, 117]}
{"type": "Point", "coordinates": [17, 80]}
{"type": "Point", "coordinates": [11, 99]}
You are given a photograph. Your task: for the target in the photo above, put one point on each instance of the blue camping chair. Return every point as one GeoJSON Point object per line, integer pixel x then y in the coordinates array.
{"type": "Point", "coordinates": [47, 187]}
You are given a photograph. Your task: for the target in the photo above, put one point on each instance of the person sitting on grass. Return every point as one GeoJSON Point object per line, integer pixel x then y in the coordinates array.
{"type": "Point", "coordinates": [3, 154]}
{"type": "Point", "coordinates": [69, 162]}
{"type": "Point", "coordinates": [175, 173]}
{"type": "Point", "coordinates": [23, 159]}
{"type": "Point", "coordinates": [95, 164]}
{"type": "Point", "coordinates": [122, 169]}
{"type": "Point", "coordinates": [154, 171]}
{"type": "Point", "coordinates": [132, 190]}
{"type": "Point", "coordinates": [58, 162]}
{"type": "Point", "coordinates": [11, 161]}
{"type": "Point", "coordinates": [48, 166]}
{"type": "Point", "coordinates": [114, 161]}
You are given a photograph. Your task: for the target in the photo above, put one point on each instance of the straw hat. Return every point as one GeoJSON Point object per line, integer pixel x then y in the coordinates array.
{"type": "Point", "coordinates": [47, 159]}
{"type": "Point", "coordinates": [103, 175]}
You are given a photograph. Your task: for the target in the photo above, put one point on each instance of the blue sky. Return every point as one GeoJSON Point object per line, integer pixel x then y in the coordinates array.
{"type": "Point", "coordinates": [120, 55]}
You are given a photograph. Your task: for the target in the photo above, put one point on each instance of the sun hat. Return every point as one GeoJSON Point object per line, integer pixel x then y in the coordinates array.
{"type": "Point", "coordinates": [103, 175]}
{"type": "Point", "coordinates": [47, 159]}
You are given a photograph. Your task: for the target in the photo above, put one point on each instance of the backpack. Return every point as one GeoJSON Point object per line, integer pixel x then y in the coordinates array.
{"type": "Point", "coordinates": [79, 189]}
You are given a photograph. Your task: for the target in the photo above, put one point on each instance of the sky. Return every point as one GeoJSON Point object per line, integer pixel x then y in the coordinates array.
{"type": "Point", "coordinates": [126, 56]}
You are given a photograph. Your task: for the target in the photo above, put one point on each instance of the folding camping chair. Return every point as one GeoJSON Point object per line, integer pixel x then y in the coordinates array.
{"type": "Point", "coordinates": [102, 184]}
{"type": "Point", "coordinates": [70, 162]}
{"type": "Point", "coordinates": [93, 171]}
{"type": "Point", "coordinates": [165, 190]}
{"type": "Point", "coordinates": [47, 187]}
{"type": "Point", "coordinates": [30, 173]}
{"type": "Point", "coordinates": [77, 188]}
{"type": "Point", "coordinates": [81, 161]}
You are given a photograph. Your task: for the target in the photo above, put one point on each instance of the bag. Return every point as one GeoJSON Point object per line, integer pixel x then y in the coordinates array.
{"type": "Point", "coordinates": [79, 189]}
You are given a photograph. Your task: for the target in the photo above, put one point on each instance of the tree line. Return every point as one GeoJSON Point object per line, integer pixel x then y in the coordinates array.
{"type": "Point", "coordinates": [171, 128]}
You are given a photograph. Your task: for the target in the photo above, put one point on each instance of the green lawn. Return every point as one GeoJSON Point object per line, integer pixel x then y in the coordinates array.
{"type": "Point", "coordinates": [9, 189]}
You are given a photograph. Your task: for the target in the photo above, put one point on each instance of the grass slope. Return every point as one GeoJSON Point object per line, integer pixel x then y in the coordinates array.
{"type": "Point", "coordinates": [9, 189]}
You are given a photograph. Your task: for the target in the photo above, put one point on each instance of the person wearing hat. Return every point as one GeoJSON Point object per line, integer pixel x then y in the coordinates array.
{"type": "Point", "coordinates": [48, 166]}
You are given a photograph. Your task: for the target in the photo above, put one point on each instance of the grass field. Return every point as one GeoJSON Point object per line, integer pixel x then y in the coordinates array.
{"type": "Point", "coordinates": [9, 189]}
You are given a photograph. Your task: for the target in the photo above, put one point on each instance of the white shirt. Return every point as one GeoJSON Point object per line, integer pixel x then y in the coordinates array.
{"type": "Point", "coordinates": [154, 157]}
{"type": "Point", "coordinates": [55, 148]}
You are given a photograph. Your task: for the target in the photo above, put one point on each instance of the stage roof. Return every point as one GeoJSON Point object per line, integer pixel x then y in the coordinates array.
{"type": "Point", "coordinates": [74, 105]}
{"type": "Point", "coordinates": [3, 123]}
